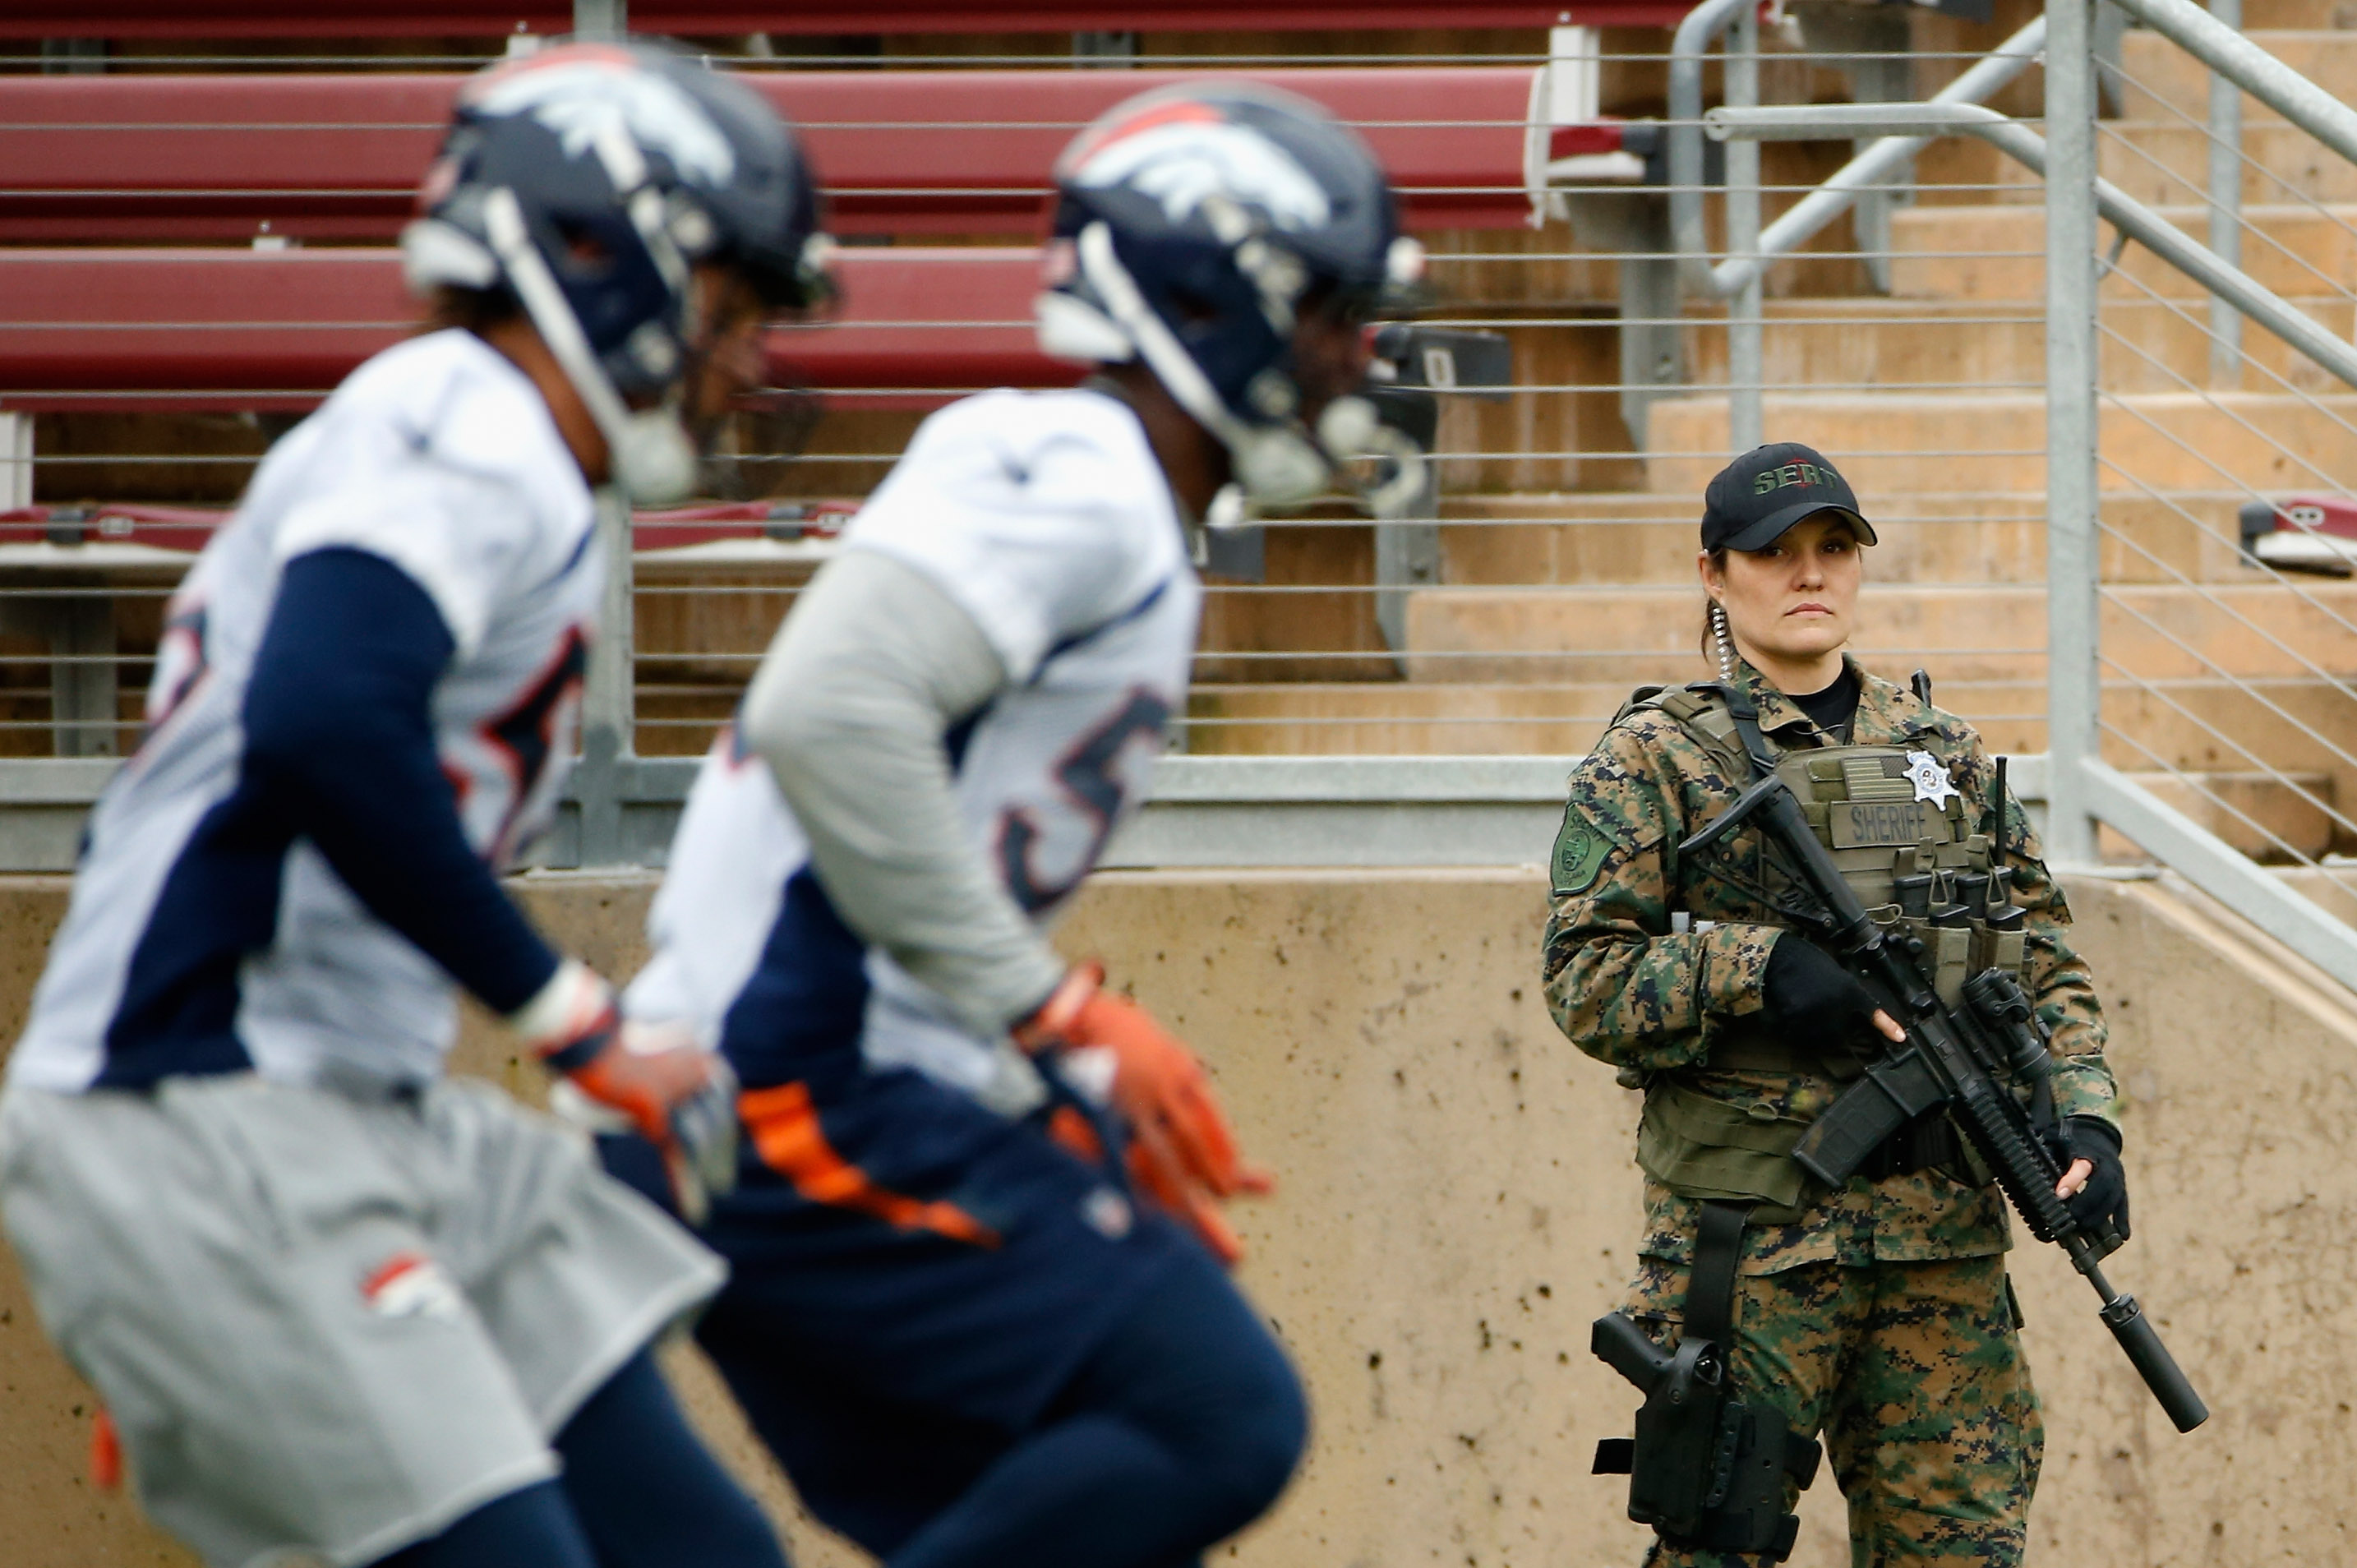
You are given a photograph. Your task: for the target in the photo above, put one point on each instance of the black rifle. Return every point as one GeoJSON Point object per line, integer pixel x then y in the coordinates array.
{"type": "Point", "coordinates": [1949, 1063]}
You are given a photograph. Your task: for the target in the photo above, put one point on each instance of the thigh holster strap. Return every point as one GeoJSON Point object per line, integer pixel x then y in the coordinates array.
{"type": "Point", "coordinates": [1706, 1469]}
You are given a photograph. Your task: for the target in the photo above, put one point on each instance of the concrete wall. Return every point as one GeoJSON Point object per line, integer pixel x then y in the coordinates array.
{"type": "Point", "coordinates": [1458, 1203]}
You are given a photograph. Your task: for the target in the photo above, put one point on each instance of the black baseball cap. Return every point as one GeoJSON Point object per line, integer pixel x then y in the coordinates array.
{"type": "Point", "coordinates": [1768, 490]}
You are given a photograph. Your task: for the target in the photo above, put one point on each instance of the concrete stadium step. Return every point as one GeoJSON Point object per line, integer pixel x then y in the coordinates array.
{"type": "Point", "coordinates": [1466, 273]}
{"type": "Point", "coordinates": [1927, 538]}
{"type": "Point", "coordinates": [2161, 76]}
{"type": "Point", "coordinates": [2273, 817]}
{"type": "Point", "coordinates": [2217, 726]}
{"type": "Point", "coordinates": [2213, 748]}
{"type": "Point", "coordinates": [2152, 443]}
{"type": "Point", "coordinates": [2200, 729]}
{"type": "Point", "coordinates": [2271, 814]}
{"type": "Point", "coordinates": [2163, 345]}
{"type": "Point", "coordinates": [2331, 886]}
{"type": "Point", "coordinates": [2298, 16]}
{"type": "Point", "coordinates": [2149, 344]}
{"type": "Point", "coordinates": [2164, 161]}
{"type": "Point", "coordinates": [1430, 719]}
{"type": "Point", "coordinates": [1999, 253]}
{"type": "Point", "coordinates": [1338, 718]}
{"type": "Point", "coordinates": [1560, 427]}
{"type": "Point", "coordinates": [679, 718]}
{"type": "Point", "coordinates": [1992, 633]}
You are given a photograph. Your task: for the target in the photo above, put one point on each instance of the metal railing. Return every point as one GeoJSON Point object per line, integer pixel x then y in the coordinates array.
{"type": "Point", "coordinates": [2086, 791]}
{"type": "Point", "coordinates": [1328, 651]}
{"type": "Point", "coordinates": [1550, 577]}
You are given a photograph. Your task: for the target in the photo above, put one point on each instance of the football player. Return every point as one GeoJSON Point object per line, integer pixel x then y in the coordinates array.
{"type": "Point", "coordinates": [342, 1308]}
{"type": "Point", "coordinates": [978, 1305]}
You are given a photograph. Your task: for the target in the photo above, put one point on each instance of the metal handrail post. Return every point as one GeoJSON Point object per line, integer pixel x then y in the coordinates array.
{"type": "Point", "coordinates": [608, 708]}
{"type": "Point", "coordinates": [608, 705]}
{"type": "Point", "coordinates": [1746, 351]}
{"type": "Point", "coordinates": [1688, 234]}
{"type": "Point", "coordinates": [1877, 161]}
{"type": "Point", "coordinates": [2074, 676]}
{"type": "Point", "coordinates": [2226, 206]}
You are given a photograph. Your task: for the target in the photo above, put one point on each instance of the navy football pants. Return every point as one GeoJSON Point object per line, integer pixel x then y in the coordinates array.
{"type": "Point", "coordinates": [640, 1490]}
{"type": "Point", "coordinates": [1179, 1428]}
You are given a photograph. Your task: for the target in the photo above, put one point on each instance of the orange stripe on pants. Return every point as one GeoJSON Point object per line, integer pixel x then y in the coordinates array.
{"type": "Point", "coordinates": [788, 1137]}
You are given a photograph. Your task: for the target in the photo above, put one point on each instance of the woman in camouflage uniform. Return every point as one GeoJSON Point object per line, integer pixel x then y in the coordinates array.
{"type": "Point", "coordinates": [1879, 1314]}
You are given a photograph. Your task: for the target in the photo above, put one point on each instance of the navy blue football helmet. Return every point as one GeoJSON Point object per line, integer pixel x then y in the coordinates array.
{"type": "Point", "coordinates": [587, 181]}
{"type": "Point", "coordinates": [1192, 224]}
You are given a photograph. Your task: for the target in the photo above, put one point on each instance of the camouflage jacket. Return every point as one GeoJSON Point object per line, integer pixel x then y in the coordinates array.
{"type": "Point", "coordinates": [1629, 992]}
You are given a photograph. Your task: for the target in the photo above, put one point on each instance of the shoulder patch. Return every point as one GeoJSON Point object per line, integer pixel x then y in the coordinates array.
{"type": "Point", "coordinates": [1580, 850]}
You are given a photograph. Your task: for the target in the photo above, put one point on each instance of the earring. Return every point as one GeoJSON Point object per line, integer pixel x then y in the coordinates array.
{"type": "Point", "coordinates": [1725, 643]}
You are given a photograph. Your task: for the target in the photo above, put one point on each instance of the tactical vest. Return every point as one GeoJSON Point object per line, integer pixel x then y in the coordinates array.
{"type": "Point", "coordinates": [1907, 842]}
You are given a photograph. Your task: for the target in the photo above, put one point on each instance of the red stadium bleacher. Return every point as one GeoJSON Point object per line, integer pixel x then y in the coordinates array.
{"type": "Point", "coordinates": [180, 529]}
{"type": "Point", "coordinates": [224, 328]}
{"type": "Point", "coordinates": [465, 18]}
{"type": "Point", "coordinates": [94, 158]}
{"type": "Point", "coordinates": [280, 159]}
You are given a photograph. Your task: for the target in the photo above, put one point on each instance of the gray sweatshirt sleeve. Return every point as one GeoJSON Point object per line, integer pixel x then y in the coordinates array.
{"type": "Point", "coordinates": [849, 709]}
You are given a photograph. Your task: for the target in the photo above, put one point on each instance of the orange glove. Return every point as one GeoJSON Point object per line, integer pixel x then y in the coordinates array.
{"type": "Point", "coordinates": [105, 1453]}
{"type": "Point", "coordinates": [662, 1085]}
{"type": "Point", "coordinates": [1181, 1152]}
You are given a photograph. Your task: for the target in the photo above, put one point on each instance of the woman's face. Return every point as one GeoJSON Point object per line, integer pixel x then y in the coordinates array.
{"type": "Point", "coordinates": [1797, 600]}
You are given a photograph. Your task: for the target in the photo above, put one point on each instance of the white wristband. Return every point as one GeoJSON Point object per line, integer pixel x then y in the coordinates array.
{"type": "Point", "coordinates": [571, 1003]}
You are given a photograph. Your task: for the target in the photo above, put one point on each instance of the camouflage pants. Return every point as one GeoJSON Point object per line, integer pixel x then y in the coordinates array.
{"type": "Point", "coordinates": [1913, 1375]}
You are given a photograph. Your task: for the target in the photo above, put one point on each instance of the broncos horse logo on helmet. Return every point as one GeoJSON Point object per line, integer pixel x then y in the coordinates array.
{"type": "Point", "coordinates": [588, 182]}
{"type": "Point", "coordinates": [1193, 225]}
{"type": "Point", "coordinates": [1185, 153]}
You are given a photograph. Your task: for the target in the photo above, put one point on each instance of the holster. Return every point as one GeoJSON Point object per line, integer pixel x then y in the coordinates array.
{"type": "Point", "coordinates": [1706, 1468]}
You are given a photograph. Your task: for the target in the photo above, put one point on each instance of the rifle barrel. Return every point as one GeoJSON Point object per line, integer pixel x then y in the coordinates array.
{"type": "Point", "coordinates": [2141, 1341]}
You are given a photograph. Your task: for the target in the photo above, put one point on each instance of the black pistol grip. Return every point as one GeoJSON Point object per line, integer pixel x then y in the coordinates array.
{"type": "Point", "coordinates": [1620, 1345]}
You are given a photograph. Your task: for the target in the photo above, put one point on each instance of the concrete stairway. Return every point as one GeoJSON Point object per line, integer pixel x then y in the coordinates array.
{"type": "Point", "coordinates": [1551, 605]}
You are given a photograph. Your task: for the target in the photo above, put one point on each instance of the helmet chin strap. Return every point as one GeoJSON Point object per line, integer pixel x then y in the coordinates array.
{"type": "Point", "coordinates": [650, 451]}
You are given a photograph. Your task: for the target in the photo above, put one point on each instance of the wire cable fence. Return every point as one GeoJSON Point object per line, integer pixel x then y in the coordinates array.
{"type": "Point", "coordinates": [2238, 697]}
{"type": "Point", "coordinates": [1553, 568]}
{"type": "Point", "coordinates": [1552, 573]}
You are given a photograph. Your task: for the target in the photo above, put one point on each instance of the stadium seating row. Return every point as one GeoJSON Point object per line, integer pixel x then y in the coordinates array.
{"type": "Point", "coordinates": [280, 159]}
{"type": "Point", "coordinates": [464, 18]}
{"type": "Point", "coordinates": [903, 152]}
{"type": "Point", "coordinates": [218, 242]}
{"type": "Point", "coordinates": [194, 328]}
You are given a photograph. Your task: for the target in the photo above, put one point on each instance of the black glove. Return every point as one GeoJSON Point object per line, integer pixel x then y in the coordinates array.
{"type": "Point", "coordinates": [1807, 994]}
{"type": "Point", "coordinates": [2105, 1196]}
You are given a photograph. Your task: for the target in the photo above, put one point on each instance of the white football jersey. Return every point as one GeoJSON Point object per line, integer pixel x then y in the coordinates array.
{"type": "Point", "coordinates": [440, 457]}
{"type": "Point", "coordinates": [1046, 517]}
